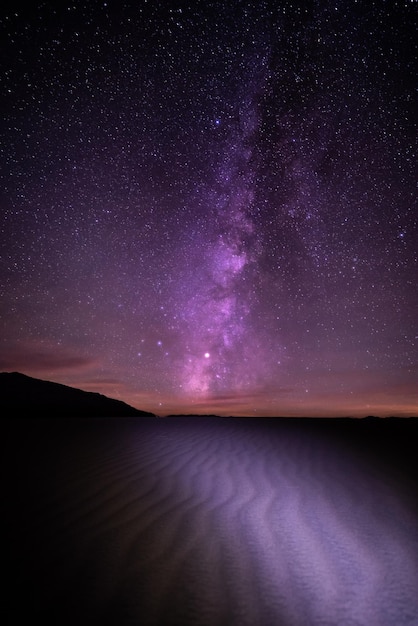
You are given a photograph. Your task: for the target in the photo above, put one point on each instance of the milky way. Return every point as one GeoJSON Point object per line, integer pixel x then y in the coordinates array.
{"type": "Point", "coordinates": [211, 207]}
{"type": "Point", "coordinates": [221, 352]}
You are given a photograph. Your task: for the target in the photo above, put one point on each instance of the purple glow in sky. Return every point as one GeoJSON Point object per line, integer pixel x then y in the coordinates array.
{"type": "Point", "coordinates": [211, 207]}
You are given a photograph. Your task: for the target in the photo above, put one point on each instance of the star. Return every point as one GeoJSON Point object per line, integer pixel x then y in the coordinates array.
{"type": "Point", "coordinates": [224, 190]}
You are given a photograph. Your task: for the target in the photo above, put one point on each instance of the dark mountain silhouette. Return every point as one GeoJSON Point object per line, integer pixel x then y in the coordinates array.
{"type": "Point", "coordinates": [21, 394]}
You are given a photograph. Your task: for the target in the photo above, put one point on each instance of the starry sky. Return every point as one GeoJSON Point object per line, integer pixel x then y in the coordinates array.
{"type": "Point", "coordinates": [210, 206]}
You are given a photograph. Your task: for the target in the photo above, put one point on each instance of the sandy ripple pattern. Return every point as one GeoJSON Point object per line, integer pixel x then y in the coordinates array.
{"type": "Point", "coordinates": [208, 522]}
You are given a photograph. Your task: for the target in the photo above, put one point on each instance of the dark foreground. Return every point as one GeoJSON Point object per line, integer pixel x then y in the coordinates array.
{"type": "Point", "coordinates": [211, 521]}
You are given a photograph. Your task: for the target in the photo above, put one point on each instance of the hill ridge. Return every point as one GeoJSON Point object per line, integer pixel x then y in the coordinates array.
{"type": "Point", "coordinates": [22, 393]}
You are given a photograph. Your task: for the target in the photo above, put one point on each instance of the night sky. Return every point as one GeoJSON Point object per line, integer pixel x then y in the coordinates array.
{"type": "Point", "coordinates": [210, 207]}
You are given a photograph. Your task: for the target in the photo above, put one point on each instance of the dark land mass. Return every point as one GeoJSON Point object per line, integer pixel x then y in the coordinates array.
{"type": "Point", "coordinates": [32, 397]}
{"type": "Point", "coordinates": [133, 521]}
{"type": "Point", "coordinates": [391, 442]}
{"type": "Point", "coordinates": [118, 520]}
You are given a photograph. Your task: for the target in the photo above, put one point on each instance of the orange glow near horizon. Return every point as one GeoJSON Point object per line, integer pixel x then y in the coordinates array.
{"type": "Point", "coordinates": [261, 403]}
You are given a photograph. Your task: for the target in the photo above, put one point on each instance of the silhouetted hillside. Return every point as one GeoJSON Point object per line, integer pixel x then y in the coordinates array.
{"type": "Point", "coordinates": [21, 394]}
